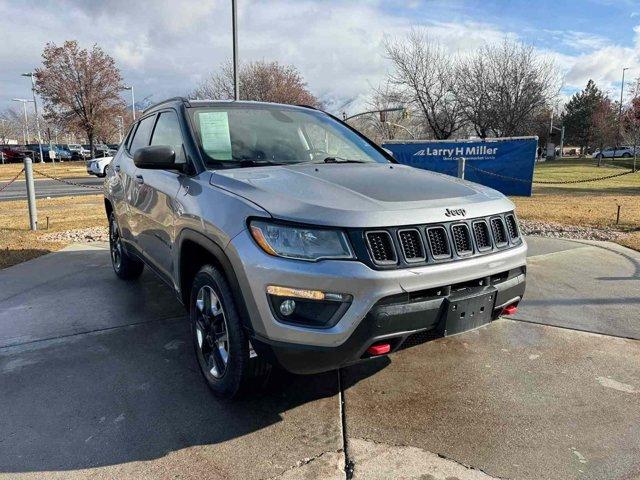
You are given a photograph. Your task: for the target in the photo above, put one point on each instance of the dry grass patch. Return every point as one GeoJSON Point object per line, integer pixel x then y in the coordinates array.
{"type": "Point", "coordinates": [61, 170]}
{"type": "Point", "coordinates": [18, 243]}
{"type": "Point", "coordinates": [585, 204]}
{"type": "Point", "coordinates": [571, 209]}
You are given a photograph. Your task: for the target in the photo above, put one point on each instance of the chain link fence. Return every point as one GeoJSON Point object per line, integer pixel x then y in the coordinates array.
{"type": "Point", "coordinates": [6, 185]}
{"type": "Point", "coordinates": [68, 182]}
{"type": "Point", "coordinates": [555, 182]}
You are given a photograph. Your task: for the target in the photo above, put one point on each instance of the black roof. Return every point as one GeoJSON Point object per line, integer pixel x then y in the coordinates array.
{"type": "Point", "coordinates": [189, 102]}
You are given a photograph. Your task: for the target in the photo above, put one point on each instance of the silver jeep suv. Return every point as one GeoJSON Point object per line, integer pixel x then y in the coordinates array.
{"type": "Point", "coordinates": [293, 240]}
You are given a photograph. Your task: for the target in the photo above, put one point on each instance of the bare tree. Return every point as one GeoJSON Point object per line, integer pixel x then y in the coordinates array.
{"type": "Point", "coordinates": [388, 125]}
{"type": "Point", "coordinates": [631, 121]}
{"type": "Point", "coordinates": [604, 124]}
{"type": "Point", "coordinates": [11, 125]}
{"type": "Point", "coordinates": [80, 87]}
{"type": "Point", "coordinates": [472, 92]}
{"type": "Point", "coordinates": [502, 88]}
{"type": "Point", "coordinates": [260, 81]}
{"type": "Point", "coordinates": [424, 79]}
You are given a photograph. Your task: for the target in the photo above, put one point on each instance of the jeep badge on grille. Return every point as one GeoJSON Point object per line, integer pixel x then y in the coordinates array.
{"type": "Point", "coordinates": [459, 212]}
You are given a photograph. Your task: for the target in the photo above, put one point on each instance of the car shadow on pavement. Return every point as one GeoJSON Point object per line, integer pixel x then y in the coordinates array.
{"type": "Point", "coordinates": [135, 393]}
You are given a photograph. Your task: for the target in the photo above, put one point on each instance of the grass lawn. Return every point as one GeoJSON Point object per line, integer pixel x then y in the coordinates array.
{"type": "Point", "coordinates": [592, 203]}
{"type": "Point", "coordinates": [61, 170]}
{"type": "Point", "coordinates": [18, 243]}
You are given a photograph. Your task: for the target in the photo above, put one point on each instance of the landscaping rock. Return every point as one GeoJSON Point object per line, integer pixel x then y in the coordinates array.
{"type": "Point", "coordinates": [576, 232]}
{"type": "Point", "coordinates": [82, 235]}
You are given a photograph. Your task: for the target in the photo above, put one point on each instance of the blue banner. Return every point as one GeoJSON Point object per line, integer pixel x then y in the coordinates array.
{"type": "Point", "coordinates": [505, 164]}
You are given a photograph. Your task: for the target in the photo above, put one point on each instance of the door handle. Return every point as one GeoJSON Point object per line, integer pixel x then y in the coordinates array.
{"type": "Point", "coordinates": [139, 179]}
{"type": "Point", "coordinates": [117, 168]}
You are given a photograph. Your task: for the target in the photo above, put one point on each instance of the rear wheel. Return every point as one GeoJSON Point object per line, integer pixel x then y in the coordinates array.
{"type": "Point", "coordinates": [219, 339]}
{"type": "Point", "coordinates": [125, 266]}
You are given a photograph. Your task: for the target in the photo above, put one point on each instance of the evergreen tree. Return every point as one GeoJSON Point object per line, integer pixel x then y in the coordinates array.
{"type": "Point", "coordinates": [578, 117]}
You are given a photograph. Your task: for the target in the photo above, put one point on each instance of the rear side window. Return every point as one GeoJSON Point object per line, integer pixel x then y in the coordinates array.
{"type": "Point", "coordinates": [167, 132]}
{"type": "Point", "coordinates": [141, 137]}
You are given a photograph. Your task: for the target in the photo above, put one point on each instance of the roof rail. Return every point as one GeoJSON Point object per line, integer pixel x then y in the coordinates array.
{"type": "Point", "coordinates": [306, 106]}
{"type": "Point", "coordinates": [172, 99]}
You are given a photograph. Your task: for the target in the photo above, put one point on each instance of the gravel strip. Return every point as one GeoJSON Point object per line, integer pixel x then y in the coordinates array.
{"type": "Point", "coordinates": [82, 235]}
{"type": "Point", "coordinates": [558, 230]}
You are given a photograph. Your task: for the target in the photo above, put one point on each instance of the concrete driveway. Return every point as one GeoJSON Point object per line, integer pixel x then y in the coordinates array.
{"type": "Point", "coordinates": [98, 379]}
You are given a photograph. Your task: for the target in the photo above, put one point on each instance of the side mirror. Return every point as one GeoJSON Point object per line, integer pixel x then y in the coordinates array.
{"type": "Point", "coordinates": [388, 151]}
{"type": "Point", "coordinates": [160, 157]}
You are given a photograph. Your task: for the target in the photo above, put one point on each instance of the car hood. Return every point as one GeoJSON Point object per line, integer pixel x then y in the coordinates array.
{"type": "Point", "coordinates": [359, 195]}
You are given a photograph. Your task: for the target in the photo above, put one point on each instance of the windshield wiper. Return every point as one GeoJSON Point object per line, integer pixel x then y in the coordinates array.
{"type": "Point", "coordinates": [255, 163]}
{"type": "Point", "coordinates": [341, 160]}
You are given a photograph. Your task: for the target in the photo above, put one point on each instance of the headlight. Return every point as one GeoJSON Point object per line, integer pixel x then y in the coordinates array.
{"type": "Point", "coordinates": [301, 243]}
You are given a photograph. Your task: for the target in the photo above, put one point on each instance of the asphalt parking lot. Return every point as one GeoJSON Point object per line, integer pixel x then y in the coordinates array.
{"type": "Point", "coordinates": [98, 379]}
{"type": "Point", "coordinates": [53, 188]}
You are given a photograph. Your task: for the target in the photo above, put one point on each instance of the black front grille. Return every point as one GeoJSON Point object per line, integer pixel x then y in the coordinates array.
{"type": "Point", "coordinates": [438, 242]}
{"type": "Point", "coordinates": [512, 227]}
{"type": "Point", "coordinates": [381, 247]}
{"type": "Point", "coordinates": [498, 230]}
{"type": "Point", "coordinates": [411, 244]}
{"type": "Point", "coordinates": [462, 239]}
{"type": "Point", "coordinates": [482, 235]}
{"type": "Point", "coordinates": [408, 246]}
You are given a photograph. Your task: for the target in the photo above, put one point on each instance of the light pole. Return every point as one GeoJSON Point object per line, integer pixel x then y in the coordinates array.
{"type": "Point", "coordinates": [234, 28]}
{"type": "Point", "coordinates": [35, 107]}
{"type": "Point", "coordinates": [25, 128]}
{"type": "Point", "coordinates": [619, 114]}
{"type": "Point", "coordinates": [133, 102]}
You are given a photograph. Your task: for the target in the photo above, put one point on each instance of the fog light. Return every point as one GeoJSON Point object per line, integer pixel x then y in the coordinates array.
{"type": "Point", "coordinates": [287, 307]}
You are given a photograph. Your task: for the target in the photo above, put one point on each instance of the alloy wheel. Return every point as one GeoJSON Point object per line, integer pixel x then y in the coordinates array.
{"type": "Point", "coordinates": [115, 245]}
{"type": "Point", "coordinates": [211, 333]}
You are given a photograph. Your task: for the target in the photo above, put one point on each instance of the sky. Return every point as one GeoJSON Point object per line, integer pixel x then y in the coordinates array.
{"type": "Point", "coordinates": [165, 48]}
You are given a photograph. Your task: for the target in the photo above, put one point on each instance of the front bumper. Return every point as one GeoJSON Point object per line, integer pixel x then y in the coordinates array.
{"type": "Point", "coordinates": [256, 270]}
{"type": "Point", "coordinates": [402, 325]}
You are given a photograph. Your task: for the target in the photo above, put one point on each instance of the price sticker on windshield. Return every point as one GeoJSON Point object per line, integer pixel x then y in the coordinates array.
{"type": "Point", "coordinates": [216, 139]}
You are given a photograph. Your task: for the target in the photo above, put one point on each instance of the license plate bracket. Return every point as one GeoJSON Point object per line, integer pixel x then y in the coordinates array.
{"type": "Point", "coordinates": [468, 311]}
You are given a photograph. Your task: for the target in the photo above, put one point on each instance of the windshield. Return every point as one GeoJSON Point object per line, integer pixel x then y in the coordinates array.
{"type": "Point", "coordinates": [232, 136]}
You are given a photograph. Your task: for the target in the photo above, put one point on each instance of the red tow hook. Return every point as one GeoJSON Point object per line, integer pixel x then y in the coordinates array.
{"type": "Point", "coordinates": [379, 349]}
{"type": "Point", "coordinates": [510, 310]}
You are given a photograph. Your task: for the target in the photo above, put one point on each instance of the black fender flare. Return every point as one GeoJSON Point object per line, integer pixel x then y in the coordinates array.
{"type": "Point", "coordinates": [216, 251]}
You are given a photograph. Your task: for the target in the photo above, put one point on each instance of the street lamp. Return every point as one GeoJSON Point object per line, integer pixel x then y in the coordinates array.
{"type": "Point", "coordinates": [619, 114]}
{"type": "Point", "coordinates": [25, 128]}
{"type": "Point", "coordinates": [133, 101]}
{"type": "Point", "coordinates": [234, 28]}
{"type": "Point", "coordinates": [35, 107]}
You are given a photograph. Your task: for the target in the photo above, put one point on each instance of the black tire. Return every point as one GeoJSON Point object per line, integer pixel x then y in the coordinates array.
{"type": "Point", "coordinates": [626, 155]}
{"type": "Point", "coordinates": [217, 331]}
{"type": "Point", "coordinates": [126, 266]}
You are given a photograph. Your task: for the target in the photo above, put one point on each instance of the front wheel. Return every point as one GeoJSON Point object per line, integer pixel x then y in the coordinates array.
{"type": "Point", "coordinates": [219, 339]}
{"type": "Point", "coordinates": [125, 266]}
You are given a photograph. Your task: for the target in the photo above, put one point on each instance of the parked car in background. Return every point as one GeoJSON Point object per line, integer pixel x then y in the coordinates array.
{"type": "Point", "coordinates": [624, 151]}
{"type": "Point", "coordinates": [35, 148]}
{"type": "Point", "coordinates": [78, 149]}
{"type": "Point", "coordinates": [103, 150]}
{"type": "Point", "coordinates": [15, 153]}
{"type": "Point", "coordinates": [62, 153]}
{"type": "Point", "coordinates": [99, 166]}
